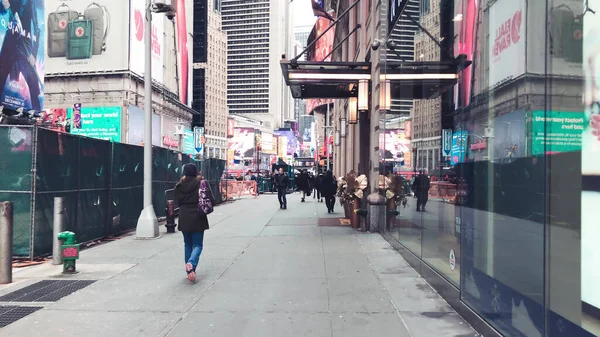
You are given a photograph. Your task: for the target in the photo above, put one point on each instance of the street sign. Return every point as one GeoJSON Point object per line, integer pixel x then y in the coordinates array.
{"type": "Point", "coordinates": [447, 142]}
{"type": "Point", "coordinates": [199, 139]}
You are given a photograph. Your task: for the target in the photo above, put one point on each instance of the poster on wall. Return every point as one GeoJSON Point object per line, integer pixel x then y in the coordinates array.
{"type": "Point", "coordinates": [135, 127]}
{"type": "Point", "coordinates": [509, 137]}
{"type": "Point", "coordinates": [137, 28]}
{"type": "Point", "coordinates": [22, 62]}
{"type": "Point", "coordinates": [590, 155]}
{"type": "Point", "coordinates": [84, 36]}
{"type": "Point", "coordinates": [507, 40]}
{"type": "Point", "coordinates": [556, 131]}
{"type": "Point", "coordinates": [99, 122]}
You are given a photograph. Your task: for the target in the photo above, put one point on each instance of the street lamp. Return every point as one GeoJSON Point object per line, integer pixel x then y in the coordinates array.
{"type": "Point", "coordinates": [147, 225]}
{"type": "Point", "coordinates": [352, 112]}
{"type": "Point", "coordinates": [343, 130]}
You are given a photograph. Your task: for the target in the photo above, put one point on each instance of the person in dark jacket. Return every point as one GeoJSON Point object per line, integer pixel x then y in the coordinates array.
{"type": "Point", "coordinates": [421, 187]}
{"type": "Point", "coordinates": [303, 184]}
{"type": "Point", "coordinates": [192, 223]}
{"type": "Point", "coordinates": [281, 181]}
{"type": "Point", "coordinates": [318, 184]}
{"type": "Point", "coordinates": [328, 190]}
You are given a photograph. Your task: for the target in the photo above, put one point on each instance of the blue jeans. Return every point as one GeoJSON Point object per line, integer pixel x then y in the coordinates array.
{"type": "Point", "coordinates": [193, 247]}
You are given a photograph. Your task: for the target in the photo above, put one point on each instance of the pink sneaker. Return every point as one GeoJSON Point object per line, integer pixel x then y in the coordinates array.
{"type": "Point", "coordinates": [191, 274]}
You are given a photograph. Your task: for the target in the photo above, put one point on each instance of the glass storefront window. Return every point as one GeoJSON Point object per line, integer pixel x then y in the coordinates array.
{"type": "Point", "coordinates": [508, 157]}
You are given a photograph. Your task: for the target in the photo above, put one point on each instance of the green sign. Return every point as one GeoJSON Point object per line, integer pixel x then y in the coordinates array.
{"type": "Point", "coordinates": [556, 131]}
{"type": "Point", "coordinates": [99, 122]}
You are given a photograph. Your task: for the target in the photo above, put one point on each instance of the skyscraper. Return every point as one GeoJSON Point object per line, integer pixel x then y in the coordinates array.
{"type": "Point", "coordinates": [258, 34]}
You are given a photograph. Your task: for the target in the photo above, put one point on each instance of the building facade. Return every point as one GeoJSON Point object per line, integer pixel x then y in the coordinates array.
{"type": "Point", "coordinates": [258, 33]}
{"type": "Point", "coordinates": [216, 85]}
{"type": "Point", "coordinates": [508, 234]}
{"type": "Point", "coordinates": [426, 114]}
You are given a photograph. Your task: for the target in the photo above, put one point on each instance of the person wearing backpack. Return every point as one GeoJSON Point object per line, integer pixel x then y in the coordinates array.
{"type": "Point", "coordinates": [195, 201]}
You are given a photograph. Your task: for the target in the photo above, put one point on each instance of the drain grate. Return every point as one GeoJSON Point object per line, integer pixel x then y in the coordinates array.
{"type": "Point", "coordinates": [46, 291]}
{"type": "Point", "coordinates": [11, 314]}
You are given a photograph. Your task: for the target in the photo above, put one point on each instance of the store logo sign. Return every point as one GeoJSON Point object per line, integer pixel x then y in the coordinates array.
{"type": "Point", "coordinates": [508, 33]}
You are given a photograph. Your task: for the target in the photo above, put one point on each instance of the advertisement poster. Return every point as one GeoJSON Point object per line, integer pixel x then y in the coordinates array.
{"type": "Point", "coordinates": [509, 136]}
{"type": "Point", "coordinates": [135, 127]}
{"type": "Point", "coordinates": [291, 142]}
{"type": "Point", "coordinates": [86, 36]}
{"type": "Point", "coordinates": [555, 132]}
{"type": "Point", "coordinates": [459, 147]}
{"type": "Point", "coordinates": [100, 123]}
{"type": "Point", "coordinates": [137, 28]}
{"type": "Point", "coordinates": [184, 24]}
{"type": "Point", "coordinates": [54, 119]}
{"type": "Point", "coordinates": [318, 52]}
{"type": "Point", "coordinates": [590, 154]}
{"type": "Point", "coordinates": [243, 143]}
{"type": "Point", "coordinates": [466, 30]}
{"type": "Point", "coordinates": [269, 144]}
{"type": "Point", "coordinates": [507, 40]}
{"type": "Point", "coordinates": [188, 142]}
{"type": "Point", "coordinates": [23, 36]}
{"type": "Point", "coordinates": [395, 147]}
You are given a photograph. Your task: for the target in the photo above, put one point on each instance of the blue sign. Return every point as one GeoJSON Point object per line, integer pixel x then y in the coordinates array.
{"type": "Point", "coordinates": [188, 142]}
{"type": "Point", "coordinates": [447, 142]}
{"type": "Point", "coordinates": [459, 147]}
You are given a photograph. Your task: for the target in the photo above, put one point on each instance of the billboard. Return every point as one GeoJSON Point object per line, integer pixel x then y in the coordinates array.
{"type": "Point", "coordinates": [507, 40]}
{"type": "Point", "coordinates": [509, 136]}
{"type": "Point", "coordinates": [466, 30]}
{"type": "Point", "coordinates": [564, 26]}
{"type": "Point", "coordinates": [135, 127]}
{"type": "Point", "coordinates": [85, 36]}
{"type": "Point", "coordinates": [137, 28]}
{"type": "Point", "coordinates": [99, 122]}
{"type": "Point", "coordinates": [459, 147]}
{"type": "Point", "coordinates": [188, 142]}
{"type": "Point", "coordinates": [269, 143]}
{"type": "Point", "coordinates": [394, 146]}
{"type": "Point", "coordinates": [22, 34]}
{"type": "Point", "coordinates": [318, 52]}
{"type": "Point", "coordinates": [291, 142]}
{"type": "Point", "coordinates": [556, 131]}
{"type": "Point", "coordinates": [243, 143]}
{"type": "Point", "coordinates": [184, 24]}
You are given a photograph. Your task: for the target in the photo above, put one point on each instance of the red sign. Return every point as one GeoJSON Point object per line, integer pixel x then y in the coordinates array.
{"type": "Point", "coordinates": [230, 128]}
{"type": "Point", "coordinates": [479, 145]}
{"type": "Point", "coordinates": [70, 252]}
{"type": "Point", "coordinates": [169, 142]}
{"type": "Point", "coordinates": [508, 33]}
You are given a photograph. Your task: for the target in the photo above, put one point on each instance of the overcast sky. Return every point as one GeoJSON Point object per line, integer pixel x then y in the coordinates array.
{"type": "Point", "coordinates": [302, 11]}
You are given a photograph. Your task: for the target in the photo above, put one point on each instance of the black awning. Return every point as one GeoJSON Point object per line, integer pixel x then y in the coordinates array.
{"type": "Point", "coordinates": [420, 80]}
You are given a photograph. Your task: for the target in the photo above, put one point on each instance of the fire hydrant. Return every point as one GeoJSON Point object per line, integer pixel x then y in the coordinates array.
{"type": "Point", "coordinates": [170, 211]}
{"type": "Point", "coordinates": [69, 252]}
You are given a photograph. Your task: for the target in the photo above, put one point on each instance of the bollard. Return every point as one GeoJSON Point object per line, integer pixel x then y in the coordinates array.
{"type": "Point", "coordinates": [6, 241]}
{"type": "Point", "coordinates": [69, 252]}
{"type": "Point", "coordinates": [170, 211]}
{"type": "Point", "coordinates": [377, 215]}
{"type": "Point", "coordinates": [58, 227]}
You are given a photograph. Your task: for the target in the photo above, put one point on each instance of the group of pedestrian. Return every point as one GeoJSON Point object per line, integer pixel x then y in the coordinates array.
{"type": "Point", "coordinates": [322, 187]}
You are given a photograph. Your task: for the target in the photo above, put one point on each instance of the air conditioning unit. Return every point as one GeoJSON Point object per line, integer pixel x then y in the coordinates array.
{"type": "Point", "coordinates": [179, 130]}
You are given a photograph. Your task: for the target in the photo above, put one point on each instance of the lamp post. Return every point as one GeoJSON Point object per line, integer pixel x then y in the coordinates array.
{"type": "Point", "coordinates": [147, 225]}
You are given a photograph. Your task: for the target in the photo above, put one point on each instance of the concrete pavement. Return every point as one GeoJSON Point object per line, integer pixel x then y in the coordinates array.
{"type": "Point", "coordinates": [263, 272]}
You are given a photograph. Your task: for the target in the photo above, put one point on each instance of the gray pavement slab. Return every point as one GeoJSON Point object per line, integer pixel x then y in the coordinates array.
{"type": "Point", "coordinates": [263, 272]}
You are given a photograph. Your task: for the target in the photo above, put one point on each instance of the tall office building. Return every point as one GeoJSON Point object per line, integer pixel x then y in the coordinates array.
{"type": "Point", "coordinates": [403, 36]}
{"type": "Point", "coordinates": [426, 114]}
{"type": "Point", "coordinates": [216, 84]}
{"type": "Point", "coordinates": [301, 34]}
{"type": "Point", "coordinates": [258, 33]}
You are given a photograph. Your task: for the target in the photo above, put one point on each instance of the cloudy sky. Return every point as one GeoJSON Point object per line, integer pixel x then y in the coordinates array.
{"type": "Point", "coordinates": [302, 11]}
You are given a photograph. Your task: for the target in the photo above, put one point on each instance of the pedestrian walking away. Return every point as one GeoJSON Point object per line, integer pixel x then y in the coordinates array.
{"type": "Point", "coordinates": [421, 187]}
{"type": "Point", "coordinates": [328, 190]}
{"type": "Point", "coordinates": [192, 220]}
{"type": "Point", "coordinates": [282, 181]}
{"type": "Point", "coordinates": [303, 184]}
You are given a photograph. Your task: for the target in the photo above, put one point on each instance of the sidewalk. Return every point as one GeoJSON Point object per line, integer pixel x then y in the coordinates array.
{"type": "Point", "coordinates": [264, 272]}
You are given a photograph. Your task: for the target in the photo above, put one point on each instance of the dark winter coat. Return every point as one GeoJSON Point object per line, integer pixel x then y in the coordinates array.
{"type": "Point", "coordinates": [328, 186]}
{"type": "Point", "coordinates": [186, 193]}
{"type": "Point", "coordinates": [281, 180]}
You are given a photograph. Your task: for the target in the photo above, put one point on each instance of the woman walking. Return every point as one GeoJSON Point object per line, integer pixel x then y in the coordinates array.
{"type": "Point", "coordinates": [328, 189]}
{"type": "Point", "coordinates": [192, 222]}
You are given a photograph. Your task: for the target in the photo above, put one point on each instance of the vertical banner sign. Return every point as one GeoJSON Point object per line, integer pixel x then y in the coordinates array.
{"type": "Point", "coordinates": [199, 140]}
{"type": "Point", "coordinates": [77, 115]}
{"type": "Point", "coordinates": [230, 128]}
{"type": "Point", "coordinates": [447, 142]}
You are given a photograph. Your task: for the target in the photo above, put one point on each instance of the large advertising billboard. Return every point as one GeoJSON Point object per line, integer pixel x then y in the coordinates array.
{"type": "Point", "coordinates": [466, 31]}
{"type": "Point", "coordinates": [507, 40]}
{"type": "Point", "coordinates": [556, 131]}
{"type": "Point", "coordinates": [291, 142]}
{"type": "Point", "coordinates": [99, 122]}
{"type": "Point", "coordinates": [135, 127]}
{"type": "Point", "coordinates": [184, 24]}
{"type": "Point", "coordinates": [22, 33]}
{"type": "Point", "coordinates": [243, 143]}
{"type": "Point", "coordinates": [319, 53]}
{"type": "Point", "coordinates": [394, 147]}
{"type": "Point", "coordinates": [86, 36]}
{"type": "Point", "coordinates": [137, 28]}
